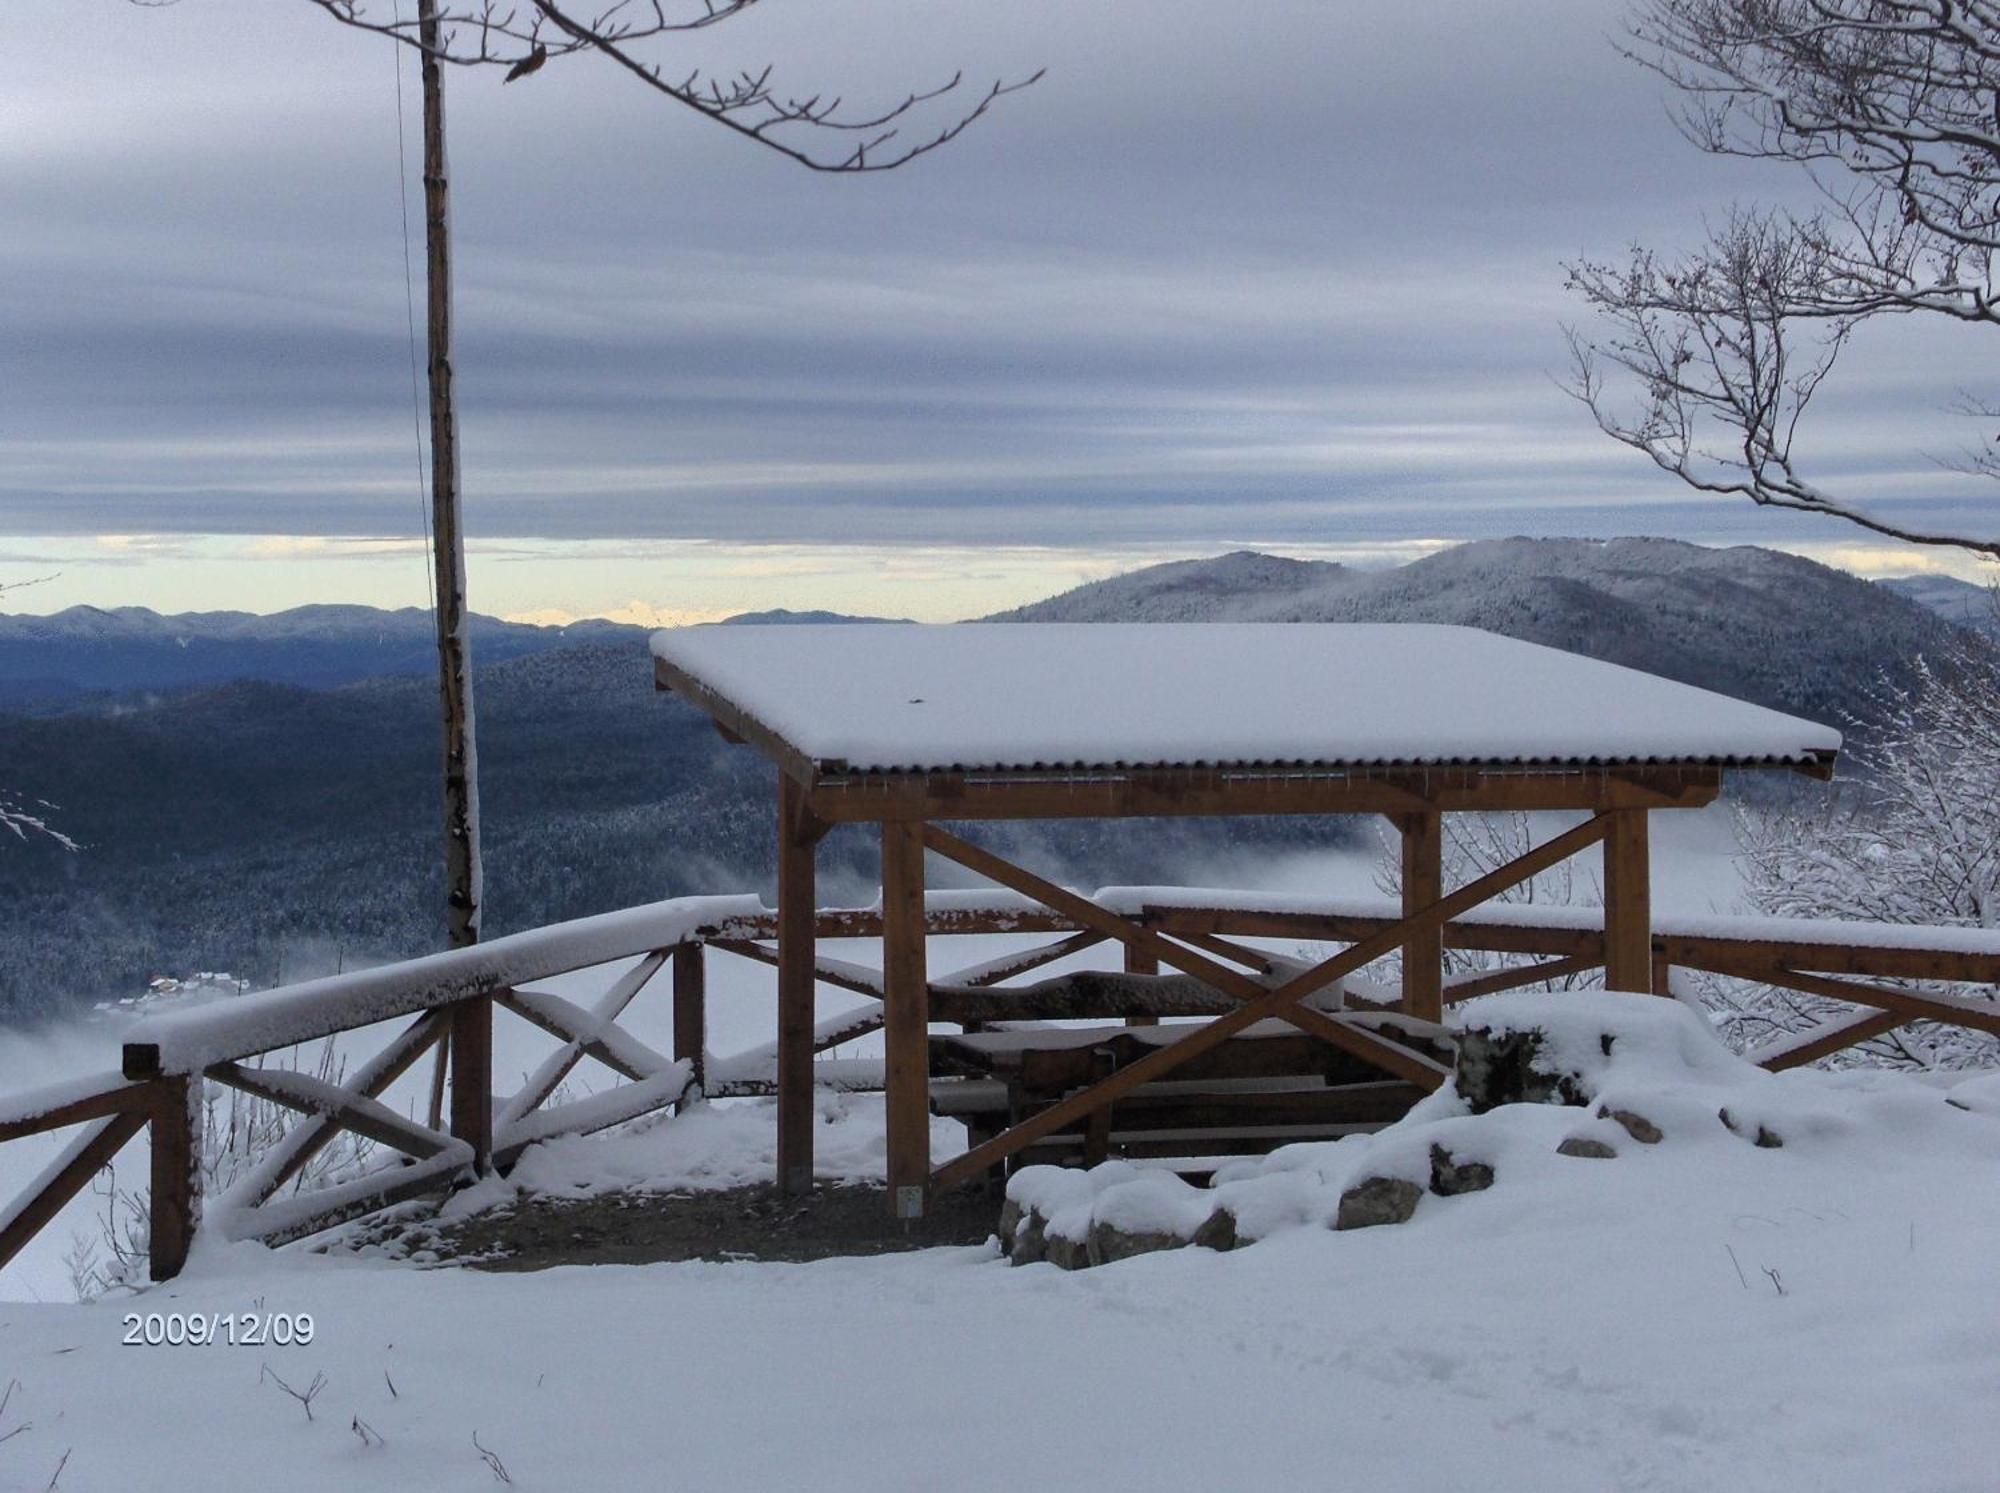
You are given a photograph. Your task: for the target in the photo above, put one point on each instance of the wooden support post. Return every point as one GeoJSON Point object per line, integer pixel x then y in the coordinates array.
{"type": "Point", "coordinates": [472, 1078]}
{"type": "Point", "coordinates": [1628, 903]}
{"type": "Point", "coordinates": [691, 1013]}
{"type": "Point", "coordinates": [798, 839]}
{"type": "Point", "coordinates": [906, 1018]}
{"type": "Point", "coordinates": [176, 1174]}
{"type": "Point", "coordinates": [1140, 961]}
{"type": "Point", "coordinates": [1423, 884]}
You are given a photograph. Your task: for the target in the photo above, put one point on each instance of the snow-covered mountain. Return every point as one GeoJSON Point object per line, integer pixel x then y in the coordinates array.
{"type": "Point", "coordinates": [1952, 599]}
{"type": "Point", "coordinates": [1764, 626]}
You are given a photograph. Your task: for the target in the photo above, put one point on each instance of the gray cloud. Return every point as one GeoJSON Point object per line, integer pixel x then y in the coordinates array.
{"type": "Point", "coordinates": [1288, 273]}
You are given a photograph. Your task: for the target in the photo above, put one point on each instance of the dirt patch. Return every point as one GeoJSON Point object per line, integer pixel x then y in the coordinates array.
{"type": "Point", "coordinates": [638, 1228]}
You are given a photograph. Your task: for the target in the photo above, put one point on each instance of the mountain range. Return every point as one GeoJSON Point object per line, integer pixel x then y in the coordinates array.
{"type": "Point", "coordinates": [283, 819]}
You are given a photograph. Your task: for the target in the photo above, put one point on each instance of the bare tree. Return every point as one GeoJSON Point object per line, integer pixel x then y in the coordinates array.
{"type": "Point", "coordinates": [818, 130]}
{"type": "Point", "coordinates": [1706, 362]}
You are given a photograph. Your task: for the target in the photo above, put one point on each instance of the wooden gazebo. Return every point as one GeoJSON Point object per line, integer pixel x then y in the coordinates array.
{"type": "Point", "coordinates": [909, 727]}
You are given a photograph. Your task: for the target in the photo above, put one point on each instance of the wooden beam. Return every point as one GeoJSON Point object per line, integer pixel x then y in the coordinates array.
{"type": "Point", "coordinates": [175, 1202]}
{"type": "Point", "coordinates": [799, 835]}
{"type": "Point", "coordinates": [1908, 1004]}
{"type": "Point", "coordinates": [115, 1100]}
{"type": "Point", "coordinates": [1272, 1003]}
{"type": "Point", "coordinates": [691, 1010]}
{"type": "Point", "coordinates": [1141, 961]}
{"type": "Point", "coordinates": [906, 1018]}
{"type": "Point", "coordinates": [883, 797]}
{"type": "Point", "coordinates": [65, 1177]}
{"type": "Point", "coordinates": [1823, 1040]}
{"type": "Point", "coordinates": [1470, 986]}
{"type": "Point", "coordinates": [546, 1079]}
{"type": "Point", "coordinates": [1423, 883]}
{"type": "Point", "coordinates": [1628, 903]}
{"type": "Point", "coordinates": [312, 1096]}
{"type": "Point", "coordinates": [471, 1040]}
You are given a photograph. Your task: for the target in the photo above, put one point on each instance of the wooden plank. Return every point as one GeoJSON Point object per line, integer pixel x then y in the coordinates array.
{"type": "Point", "coordinates": [842, 974]}
{"type": "Point", "coordinates": [1823, 1040]}
{"type": "Point", "coordinates": [906, 1018]}
{"type": "Point", "coordinates": [798, 856]}
{"type": "Point", "coordinates": [1423, 883]}
{"type": "Point", "coordinates": [1466, 987]}
{"type": "Point", "coordinates": [1158, 1064]}
{"type": "Point", "coordinates": [735, 721]}
{"type": "Point", "coordinates": [114, 1099]}
{"type": "Point", "coordinates": [691, 1011]}
{"type": "Point", "coordinates": [175, 1200]}
{"type": "Point", "coordinates": [312, 1096]}
{"type": "Point", "coordinates": [1628, 903]}
{"type": "Point", "coordinates": [609, 1043]}
{"type": "Point", "coordinates": [65, 1177]}
{"type": "Point", "coordinates": [471, 1038]}
{"type": "Point", "coordinates": [883, 797]}
{"type": "Point", "coordinates": [301, 1143]}
{"type": "Point", "coordinates": [548, 1077]}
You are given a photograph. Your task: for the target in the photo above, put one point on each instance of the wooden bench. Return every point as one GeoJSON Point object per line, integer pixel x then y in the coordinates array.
{"type": "Point", "coordinates": [1269, 1086]}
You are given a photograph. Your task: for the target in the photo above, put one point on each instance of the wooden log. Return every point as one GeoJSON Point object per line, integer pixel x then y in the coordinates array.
{"type": "Point", "coordinates": [471, 1037]}
{"type": "Point", "coordinates": [1628, 903]}
{"type": "Point", "coordinates": [906, 1018]}
{"type": "Point", "coordinates": [1423, 883]}
{"type": "Point", "coordinates": [65, 1177]}
{"type": "Point", "coordinates": [175, 1204]}
{"type": "Point", "coordinates": [691, 1012]}
{"type": "Point", "coordinates": [798, 841]}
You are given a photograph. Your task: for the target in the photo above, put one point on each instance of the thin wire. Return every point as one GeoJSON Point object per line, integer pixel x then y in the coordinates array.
{"type": "Point", "coordinates": [410, 316]}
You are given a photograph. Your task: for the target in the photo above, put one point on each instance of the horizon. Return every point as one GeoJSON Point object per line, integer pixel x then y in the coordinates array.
{"type": "Point", "coordinates": [922, 583]}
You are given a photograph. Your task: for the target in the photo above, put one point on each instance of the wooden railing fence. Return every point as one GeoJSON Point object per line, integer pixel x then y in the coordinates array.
{"type": "Point", "coordinates": [1881, 976]}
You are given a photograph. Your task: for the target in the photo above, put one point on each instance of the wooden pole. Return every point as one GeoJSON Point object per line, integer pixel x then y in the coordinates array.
{"type": "Point", "coordinates": [1423, 884]}
{"type": "Point", "coordinates": [691, 1013]}
{"type": "Point", "coordinates": [1628, 903]}
{"type": "Point", "coordinates": [906, 1018]}
{"type": "Point", "coordinates": [797, 949]}
{"type": "Point", "coordinates": [471, 1044]}
{"type": "Point", "coordinates": [175, 1204]}
{"type": "Point", "coordinates": [461, 758]}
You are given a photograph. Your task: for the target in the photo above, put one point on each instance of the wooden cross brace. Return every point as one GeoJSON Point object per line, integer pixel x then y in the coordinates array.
{"type": "Point", "coordinates": [1259, 1000]}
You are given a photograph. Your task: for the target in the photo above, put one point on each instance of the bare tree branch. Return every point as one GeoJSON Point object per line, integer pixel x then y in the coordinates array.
{"type": "Point", "coordinates": [1707, 364]}
{"type": "Point", "coordinates": [817, 130]}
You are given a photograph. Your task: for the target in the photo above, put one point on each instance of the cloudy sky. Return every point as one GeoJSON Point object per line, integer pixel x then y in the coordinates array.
{"type": "Point", "coordinates": [1284, 275]}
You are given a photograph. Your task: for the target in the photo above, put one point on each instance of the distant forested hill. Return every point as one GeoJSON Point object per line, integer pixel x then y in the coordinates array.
{"type": "Point", "coordinates": [282, 820]}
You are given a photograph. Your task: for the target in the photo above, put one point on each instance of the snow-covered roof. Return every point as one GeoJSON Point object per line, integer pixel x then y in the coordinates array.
{"type": "Point", "coordinates": [975, 697]}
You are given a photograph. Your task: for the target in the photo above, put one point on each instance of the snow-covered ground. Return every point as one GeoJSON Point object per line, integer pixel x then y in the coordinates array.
{"type": "Point", "coordinates": [1699, 1314]}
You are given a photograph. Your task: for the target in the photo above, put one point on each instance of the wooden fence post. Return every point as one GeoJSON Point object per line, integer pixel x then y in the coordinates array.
{"type": "Point", "coordinates": [472, 1078]}
{"type": "Point", "coordinates": [1140, 961]}
{"type": "Point", "coordinates": [1423, 884]}
{"type": "Point", "coordinates": [691, 1013]}
{"type": "Point", "coordinates": [798, 909]}
{"type": "Point", "coordinates": [906, 1018]}
{"type": "Point", "coordinates": [1628, 903]}
{"type": "Point", "coordinates": [176, 1174]}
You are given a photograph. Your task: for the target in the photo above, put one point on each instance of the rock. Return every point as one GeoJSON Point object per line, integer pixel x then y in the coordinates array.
{"type": "Point", "coordinates": [1067, 1254]}
{"type": "Point", "coordinates": [1217, 1231]}
{"type": "Point", "coordinates": [1500, 1067]}
{"type": "Point", "coordinates": [1641, 1129]}
{"type": "Point", "coordinates": [1108, 1245]}
{"type": "Point", "coordinates": [1029, 1243]}
{"type": "Point", "coordinates": [1378, 1200]}
{"type": "Point", "coordinates": [1450, 1176]}
{"type": "Point", "coordinates": [1587, 1147]}
{"type": "Point", "coordinates": [1010, 1222]}
{"type": "Point", "coordinates": [1770, 1140]}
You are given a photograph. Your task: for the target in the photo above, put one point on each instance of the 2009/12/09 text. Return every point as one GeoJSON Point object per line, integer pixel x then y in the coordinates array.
{"type": "Point", "coordinates": [225, 1329]}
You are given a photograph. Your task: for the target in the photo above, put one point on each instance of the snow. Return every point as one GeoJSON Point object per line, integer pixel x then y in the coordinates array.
{"type": "Point", "coordinates": [914, 697]}
{"type": "Point", "coordinates": [1693, 1315]}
